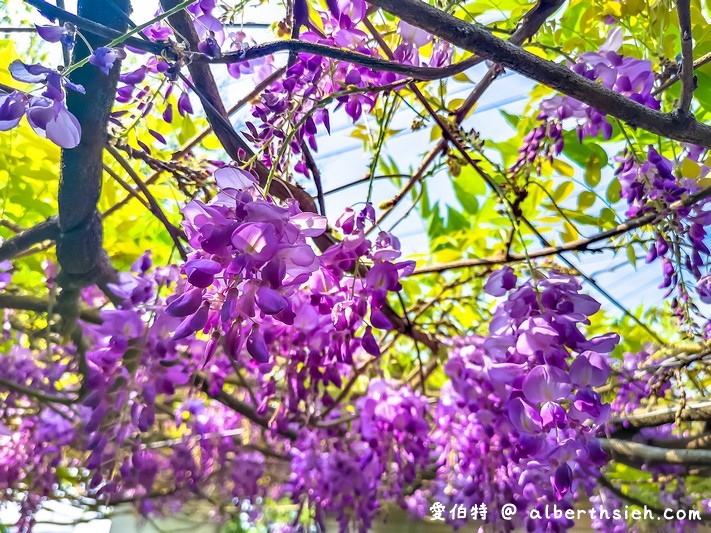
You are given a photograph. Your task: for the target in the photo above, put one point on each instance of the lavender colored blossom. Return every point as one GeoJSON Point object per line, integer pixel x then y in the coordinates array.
{"type": "Point", "coordinates": [12, 108]}
{"type": "Point", "coordinates": [104, 58]}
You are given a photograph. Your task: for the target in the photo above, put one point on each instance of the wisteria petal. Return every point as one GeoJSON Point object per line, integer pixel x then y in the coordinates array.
{"type": "Point", "coordinates": [545, 383]}
{"type": "Point", "coordinates": [12, 109]}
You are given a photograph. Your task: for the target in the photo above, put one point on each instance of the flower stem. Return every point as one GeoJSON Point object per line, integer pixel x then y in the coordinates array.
{"type": "Point", "coordinates": [133, 31]}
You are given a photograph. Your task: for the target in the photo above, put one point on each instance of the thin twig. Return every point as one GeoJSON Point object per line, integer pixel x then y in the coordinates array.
{"type": "Point", "coordinates": [577, 245]}
{"type": "Point", "coordinates": [124, 184]}
{"type": "Point", "coordinates": [698, 63]}
{"type": "Point", "coordinates": [175, 233]}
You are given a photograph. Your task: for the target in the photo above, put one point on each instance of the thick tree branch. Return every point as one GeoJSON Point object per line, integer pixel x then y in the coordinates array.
{"type": "Point", "coordinates": [44, 231]}
{"type": "Point", "coordinates": [36, 394]}
{"type": "Point", "coordinates": [688, 81]}
{"type": "Point", "coordinates": [558, 77]}
{"type": "Point", "coordinates": [38, 305]}
{"type": "Point", "coordinates": [80, 246]}
{"type": "Point", "coordinates": [691, 413]}
{"type": "Point", "coordinates": [653, 455]}
{"type": "Point", "coordinates": [342, 55]}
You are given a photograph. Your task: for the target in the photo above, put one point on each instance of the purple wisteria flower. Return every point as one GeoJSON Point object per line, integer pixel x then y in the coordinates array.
{"type": "Point", "coordinates": [51, 119]}
{"type": "Point", "coordinates": [47, 114]}
{"type": "Point", "coordinates": [104, 58]}
{"type": "Point", "coordinates": [5, 273]}
{"type": "Point", "coordinates": [703, 287]}
{"type": "Point", "coordinates": [12, 108]}
{"type": "Point", "coordinates": [500, 282]}
{"type": "Point", "coordinates": [66, 34]}
{"type": "Point", "coordinates": [631, 77]}
{"type": "Point", "coordinates": [518, 421]}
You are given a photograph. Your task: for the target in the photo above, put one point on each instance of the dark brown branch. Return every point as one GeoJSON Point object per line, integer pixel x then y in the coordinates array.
{"type": "Point", "coordinates": [37, 305]}
{"type": "Point", "coordinates": [44, 231]}
{"type": "Point", "coordinates": [558, 77]}
{"type": "Point", "coordinates": [175, 233]}
{"type": "Point", "coordinates": [37, 395]}
{"type": "Point", "coordinates": [341, 55]}
{"type": "Point", "coordinates": [687, 77]}
{"type": "Point", "coordinates": [80, 249]}
{"type": "Point", "coordinates": [577, 245]}
{"type": "Point", "coordinates": [261, 50]}
{"type": "Point", "coordinates": [691, 413]}
{"type": "Point", "coordinates": [243, 408]}
{"type": "Point", "coordinates": [234, 144]}
{"type": "Point", "coordinates": [653, 455]}
{"type": "Point", "coordinates": [527, 28]}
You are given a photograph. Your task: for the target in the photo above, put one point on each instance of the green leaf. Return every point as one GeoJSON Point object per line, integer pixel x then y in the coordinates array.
{"type": "Point", "coordinates": [455, 220]}
{"type": "Point", "coordinates": [563, 191]}
{"type": "Point", "coordinates": [511, 119]}
{"type": "Point", "coordinates": [631, 255]}
{"type": "Point", "coordinates": [607, 217]}
{"type": "Point", "coordinates": [187, 130]}
{"type": "Point", "coordinates": [703, 96]}
{"type": "Point", "coordinates": [435, 225]}
{"type": "Point", "coordinates": [465, 198]}
{"type": "Point", "coordinates": [613, 191]}
{"type": "Point", "coordinates": [586, 199]}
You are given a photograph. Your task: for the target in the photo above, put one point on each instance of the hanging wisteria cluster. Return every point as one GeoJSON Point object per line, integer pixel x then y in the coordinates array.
{"type": "Point", "coordinates": [519, 418]}
{"type": "Point", "coordinates": [648, 181]}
